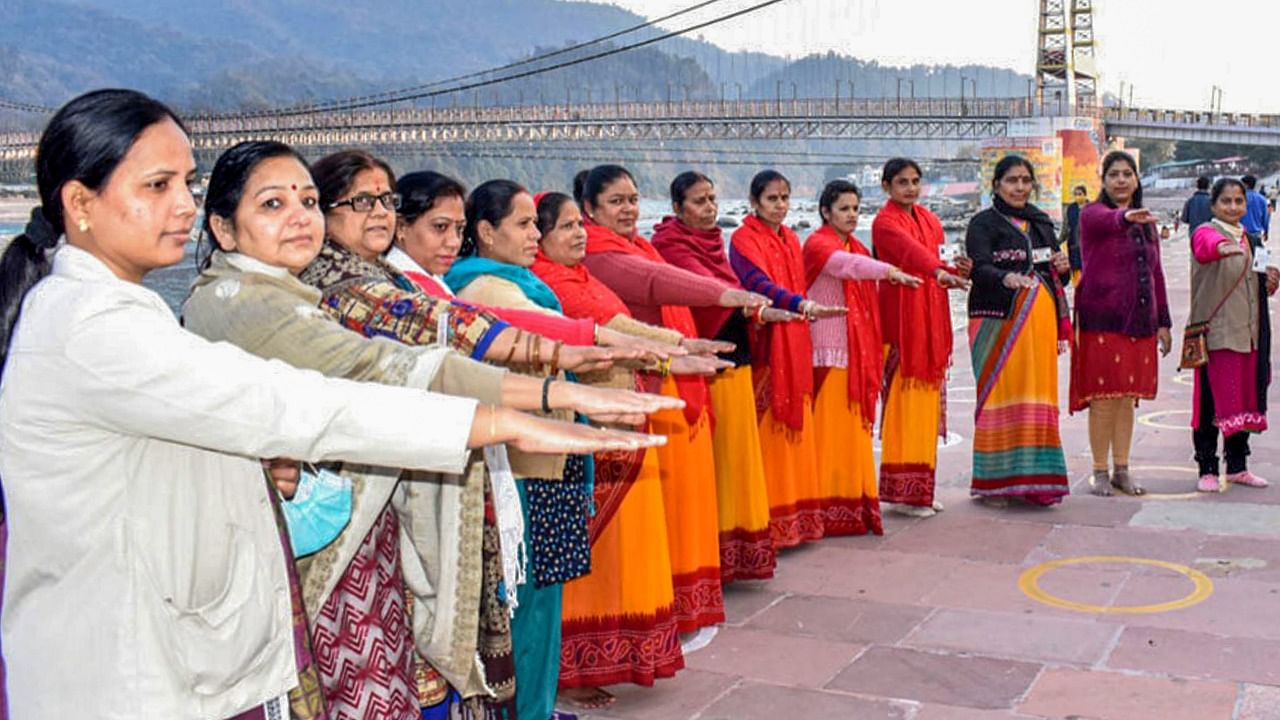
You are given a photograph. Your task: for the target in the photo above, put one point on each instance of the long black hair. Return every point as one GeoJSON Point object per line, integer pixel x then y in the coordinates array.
{"type": "Point", "coordinates": [491, 201]}
{"type": "Point", "coordinates": [84, 141]}
{"type": "Point", "coordinates": [226, 184]}
{"type": "Point", "coordinates": [1112, 158]}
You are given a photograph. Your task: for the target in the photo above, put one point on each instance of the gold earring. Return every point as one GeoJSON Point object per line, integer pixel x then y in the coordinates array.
{"type": "Point", "coordinates": [83, 225]}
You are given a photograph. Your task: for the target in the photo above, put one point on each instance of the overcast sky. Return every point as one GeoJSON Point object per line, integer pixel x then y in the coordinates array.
{"type": "Point", "coordinates": [1171, 51]}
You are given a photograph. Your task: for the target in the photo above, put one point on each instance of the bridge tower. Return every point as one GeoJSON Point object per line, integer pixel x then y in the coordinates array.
{"type": "Point", "coordinates": [1066, 73]}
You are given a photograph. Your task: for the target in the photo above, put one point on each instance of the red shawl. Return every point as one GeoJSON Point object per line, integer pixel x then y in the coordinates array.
{"type": "Point", "coordinates": [781, 353]}
{"type": "Point", "coordinates": [701, 252]}
{"type": "Point", "coordinates": [692, 388]}
{"type": "Point", "coordinates": [915, 321]}
{"type": "Point", "coordinates": [862, 324]}
{"type": "Point", "coordinates": [581, 295]}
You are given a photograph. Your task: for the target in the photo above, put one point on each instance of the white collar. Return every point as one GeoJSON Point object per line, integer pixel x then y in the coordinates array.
{"type": "Point", "coordinates": [244, 263]}
{"type": "Point", "coordinates": [402, 261]}
{"type": "Point", "coordinates": [76, 263]}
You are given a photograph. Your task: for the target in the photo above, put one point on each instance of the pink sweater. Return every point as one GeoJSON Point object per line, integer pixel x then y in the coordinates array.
{"type": "Point", "coordinates": [830, 335]}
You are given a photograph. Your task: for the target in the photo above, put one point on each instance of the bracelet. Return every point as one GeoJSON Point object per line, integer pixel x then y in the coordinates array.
{"type": "Point", "coordinates": [760, 314]}
{"type": "Point", "coordinates": [595, 333]}
{"type": "Point", "coordinates": [546, 392]}
{"type": "Point", "coordinates": [537, 352]}
{"type": "Point", "coordinates": [664, 367]}
{"type": "Point", "coordinates": [515, 342]}
{"type": "Point", "coordinates": [528, 349]}
{"type": "Point", "coordinates": [555, 358]}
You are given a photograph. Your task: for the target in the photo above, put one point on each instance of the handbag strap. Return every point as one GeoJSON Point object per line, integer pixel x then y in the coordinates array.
{"type": "Point", "coordinates": [1230, 292]}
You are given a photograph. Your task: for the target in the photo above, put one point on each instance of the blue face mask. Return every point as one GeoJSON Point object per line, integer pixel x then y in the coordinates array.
{"type": "Point", "coordinates": [318, 510]}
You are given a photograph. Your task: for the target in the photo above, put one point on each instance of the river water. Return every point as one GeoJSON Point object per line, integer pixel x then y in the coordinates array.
{"type": "Point", "coordinates": [173, 282]}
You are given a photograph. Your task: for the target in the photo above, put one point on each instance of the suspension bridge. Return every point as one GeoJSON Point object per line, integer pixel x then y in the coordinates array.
{"type": "Point", "coordinates": [1065, 87]}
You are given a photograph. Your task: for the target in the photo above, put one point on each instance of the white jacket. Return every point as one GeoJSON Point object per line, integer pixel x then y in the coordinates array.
{"type": "Point", "coordinates": [145, 576]}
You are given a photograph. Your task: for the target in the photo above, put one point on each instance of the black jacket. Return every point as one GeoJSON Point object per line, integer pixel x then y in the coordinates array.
{"type": "Point", "coordinates": [997, 248]}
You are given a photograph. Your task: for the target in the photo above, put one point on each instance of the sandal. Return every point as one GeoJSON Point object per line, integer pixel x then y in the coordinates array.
{"type": "Point", "coordinates": [1209, 484]}
{"type": "Point", "coordinates": [1100, 484]}
{"type": "Point", "coordinates": [1121, 481]}
{"type": "Point", "coordinates": [587, 698]}
{"type": "Point", "coordinates": [1247, 479]}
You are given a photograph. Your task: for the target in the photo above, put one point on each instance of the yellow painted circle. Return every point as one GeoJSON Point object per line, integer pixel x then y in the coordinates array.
{"type": "Point", "coordinates": [1153, 419]}
{"type": "Point", "coordinates": [1029, 583]}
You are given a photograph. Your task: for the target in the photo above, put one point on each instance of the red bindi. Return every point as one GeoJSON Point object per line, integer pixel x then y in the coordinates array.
{"type": "Point", "coordinates": [293, 187]}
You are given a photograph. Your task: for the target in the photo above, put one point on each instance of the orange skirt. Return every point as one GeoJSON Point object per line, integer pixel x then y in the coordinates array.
{"type": "Point", "coordinates": [688, 469]}
{"type": "Point", "coordinates": [791, 472]}
{"type": "Point", "coordinates": [746, 549]}
{"type": "Point", "coordinates": [619, 621]}
{"type": "Point", "coordinates": [909, 438]}
{"type": "Point", "coordinates": [846, 463]}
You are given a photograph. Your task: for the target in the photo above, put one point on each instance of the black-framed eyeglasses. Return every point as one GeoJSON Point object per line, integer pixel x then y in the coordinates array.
{"type": "Point", "coordinates": [363, 203]}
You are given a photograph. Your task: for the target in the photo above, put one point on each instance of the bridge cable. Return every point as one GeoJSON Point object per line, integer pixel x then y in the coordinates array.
{"type": "Point", "coordinates": [359, 104]}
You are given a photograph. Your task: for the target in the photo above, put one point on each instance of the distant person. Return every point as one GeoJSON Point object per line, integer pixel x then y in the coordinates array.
{"type": "Point", "coordinates": [1231, 388]}
{"type": "Point", "coordinates": [1122, 312]}
{"type": "Point", "coordinates": [1195, 211]}
{"type": "Point", "coordinates": [1256, 215]}
{"type": "Point", "coordinates": [1070, 235]}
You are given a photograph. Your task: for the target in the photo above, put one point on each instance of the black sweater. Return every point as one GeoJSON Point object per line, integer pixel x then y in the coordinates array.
{"type": "Point", "coordinates": [997, 248]}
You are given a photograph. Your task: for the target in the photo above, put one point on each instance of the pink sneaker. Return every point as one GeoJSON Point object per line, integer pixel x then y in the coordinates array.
{"type": "Point", "coordinates": [1209, 484]}
{"type": "Point", "coordinates": [1247, 479]}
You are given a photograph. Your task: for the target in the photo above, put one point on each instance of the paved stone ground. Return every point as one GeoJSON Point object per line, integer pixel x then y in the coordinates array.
{"type": "Point", "coordinates": [928, 622]}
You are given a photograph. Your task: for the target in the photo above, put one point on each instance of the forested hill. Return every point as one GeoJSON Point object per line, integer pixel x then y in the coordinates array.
{"type": "Point", "coordinates": [246, 54]}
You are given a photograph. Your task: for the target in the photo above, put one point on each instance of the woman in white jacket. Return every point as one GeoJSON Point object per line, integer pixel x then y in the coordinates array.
{"type": "Point", "coordinates": [145, 574]}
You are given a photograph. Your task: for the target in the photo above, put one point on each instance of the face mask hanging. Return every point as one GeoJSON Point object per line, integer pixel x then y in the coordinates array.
{"type": "Point", "coordinates": [318, 511]}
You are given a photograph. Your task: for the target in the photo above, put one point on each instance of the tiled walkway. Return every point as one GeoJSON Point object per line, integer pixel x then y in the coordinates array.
{"type": "Point", "coordinates": [928, 621]}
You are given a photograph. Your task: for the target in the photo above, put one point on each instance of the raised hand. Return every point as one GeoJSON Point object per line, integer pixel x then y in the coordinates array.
{"type": "Point", "coordinates": [1141, 216]}
{"type": "Point", "coordinates": [951, 282]}
{"type": "Point", "coordinates": [698, 365]}
{"type": "Point", "coordinates": [581, 358]}
{"type": "Point", "coordinates": [1014, 281]}
{"type": "Point", "coordinates": [779, 315]}
{"type": "Point", "coordinates": [733, 297]}
{"type": "Point", "coordinates": [897, 277]}
{"type": "Point", "coordinates": [1227, 248]}
{"type": "Point", "coordinates": [532, 434]}
{"type": "Point", "coordinates": [607, 404]}
{"type": "Point", "coordinates": [698, 346]}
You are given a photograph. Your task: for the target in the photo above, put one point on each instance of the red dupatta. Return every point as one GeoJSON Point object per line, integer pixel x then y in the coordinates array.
{"type": "Point", "coordinates": [915, 321]}
{"type": "Point", "coordinates": [581, 294]}
{"type": "Point", "coordinates": [781, 353]}
{"type": "Point", "coordinates": [862, 324]}
{"type": "Point", "coordinates": [691, 388]}
{"type": "Point", "coordinates": [701, 252]}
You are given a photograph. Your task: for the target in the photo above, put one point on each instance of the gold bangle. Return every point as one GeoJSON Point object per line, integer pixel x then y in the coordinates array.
{"type": "Point", "coordinates": [595, 333]}
{"type": "Point", "coordinates": [664, 367]}
{"type": "Point", "coordinates": [515, 342]}
{"type": "Point", "coordinates": [555, 358]}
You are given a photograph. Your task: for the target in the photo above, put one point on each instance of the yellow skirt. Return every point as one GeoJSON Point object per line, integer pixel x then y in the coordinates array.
{"type": "Point", "coordinates": [688, 469]}
{"type": "Point", "coordinates": [846, 463]}
{"type": "Point", "coordinates": [909, 440]}
{"type": "Point", "coordinates": [791, 472]}
{"type": "Point", "coordinates": [746, 549]}
{"type": "Point", "coordinates": [619, 621]}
